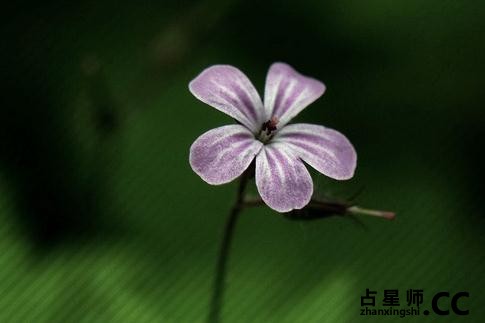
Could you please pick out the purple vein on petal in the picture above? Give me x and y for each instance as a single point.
(312, 143)
(280, 95)
(227, 89)
(222, 154)
(282, 179)
(228, 153)
(327, 150)
(314, 151)
(274, 165)
(293, 94)
(306, 135)
(231, 138)
(287, 92)
(237, 97)
(246, 102)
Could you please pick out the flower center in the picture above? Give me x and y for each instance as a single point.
(268, 130)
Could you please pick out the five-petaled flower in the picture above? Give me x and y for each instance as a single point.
(222, 154)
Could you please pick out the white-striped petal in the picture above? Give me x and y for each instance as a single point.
(282, 179)
(326, 150)
(287, 92)
(227, 89)
(222, 154)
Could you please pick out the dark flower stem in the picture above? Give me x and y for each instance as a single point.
(221, 268)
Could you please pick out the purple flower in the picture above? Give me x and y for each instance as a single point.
(222, 154)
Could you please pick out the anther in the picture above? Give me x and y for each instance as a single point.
(270, 125)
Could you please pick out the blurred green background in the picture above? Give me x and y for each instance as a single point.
(103, 220)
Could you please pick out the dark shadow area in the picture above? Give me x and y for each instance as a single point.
(271, 31)
(473, 156)
(59, 192)
(40, 168)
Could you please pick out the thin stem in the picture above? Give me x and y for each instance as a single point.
(377, 213)
(221, 268)
(317, 209)
(252, 202)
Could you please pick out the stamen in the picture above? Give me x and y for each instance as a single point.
(267, 129)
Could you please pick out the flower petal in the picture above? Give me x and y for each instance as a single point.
(282, 179)
(222, 154)
(227, 89)
(326, 150)
(287, 92)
